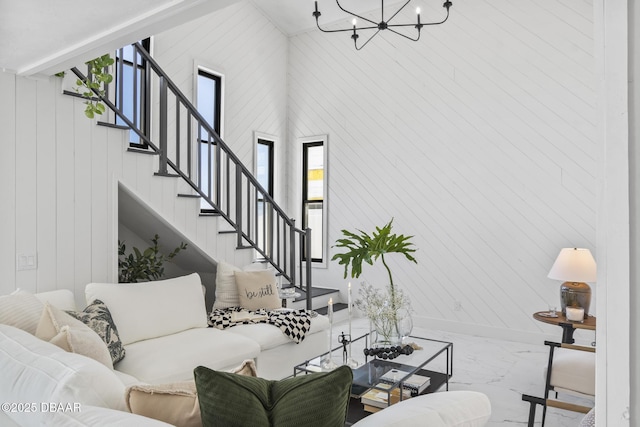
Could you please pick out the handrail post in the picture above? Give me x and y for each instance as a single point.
(292, 250)
(307, 240)
(163, 126)
(239, 205)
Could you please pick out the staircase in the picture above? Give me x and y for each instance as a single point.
(189, 149)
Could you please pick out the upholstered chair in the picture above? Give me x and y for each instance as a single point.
(570, 370)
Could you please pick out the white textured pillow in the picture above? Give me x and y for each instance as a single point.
(152, 309)
(72, 335)
(226, 290)
(41, 372)
(257, 289)
(60, 298)
(21, 309)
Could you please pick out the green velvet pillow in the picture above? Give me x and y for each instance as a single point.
(318, 399)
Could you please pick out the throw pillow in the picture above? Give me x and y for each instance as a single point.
(319, 399)
(70, 334)
(176, 403)
(98, 318)
(226, 290)
(21, 309)
(257, 289)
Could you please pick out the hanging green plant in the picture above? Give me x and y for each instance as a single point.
(98, 77)
(143, 266)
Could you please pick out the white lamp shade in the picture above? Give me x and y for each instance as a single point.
(574, 265)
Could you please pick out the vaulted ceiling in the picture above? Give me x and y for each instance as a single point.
(44, 37)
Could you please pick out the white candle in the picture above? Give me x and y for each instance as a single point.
(349, 298)
(575, 314)
(330, 310)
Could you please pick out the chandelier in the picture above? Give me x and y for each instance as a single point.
(384, 24)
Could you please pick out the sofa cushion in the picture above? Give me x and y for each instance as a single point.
(72, 335)
(21, 309)
(174, 403)
(171, 358)
(318, 399)
(60, 298)
(152, 309)
(226, 290)
(41, 372)
(97, 316)
(92, 416)
(441, 409)
(574, 371)
(257, 289)
(270, 336)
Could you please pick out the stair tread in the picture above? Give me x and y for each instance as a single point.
(113, 125)
(336, 307)
(315, 292)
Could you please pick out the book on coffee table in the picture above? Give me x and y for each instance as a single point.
(415, 383)
(379, 398)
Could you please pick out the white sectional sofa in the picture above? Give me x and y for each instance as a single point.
(163, 326)
(168, 320)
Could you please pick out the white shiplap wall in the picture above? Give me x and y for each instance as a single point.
(59, 171)
(251, 53)
(479, 139)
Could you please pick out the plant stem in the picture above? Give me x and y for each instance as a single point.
(391, 287)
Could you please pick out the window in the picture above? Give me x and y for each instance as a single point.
(264, 164)
(314, 188)
(209, 99)
(209, 105)
(131, 94)
(263, 170)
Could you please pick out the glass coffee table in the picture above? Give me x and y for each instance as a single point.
(431, 358)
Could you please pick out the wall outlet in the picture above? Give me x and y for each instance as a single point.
(457, 306)
(27, 261)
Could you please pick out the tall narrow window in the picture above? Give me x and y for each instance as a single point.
(209, 105)
(131, 93)
(264, 174)
(313, 196)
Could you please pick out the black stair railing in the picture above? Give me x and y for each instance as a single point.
(189, 148)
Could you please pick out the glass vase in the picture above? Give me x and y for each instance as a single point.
(390, 329)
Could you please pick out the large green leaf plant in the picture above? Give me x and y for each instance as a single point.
(362, 247)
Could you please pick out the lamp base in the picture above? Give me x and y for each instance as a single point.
(575, 294)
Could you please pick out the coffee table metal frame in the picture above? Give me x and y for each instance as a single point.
(367, 375)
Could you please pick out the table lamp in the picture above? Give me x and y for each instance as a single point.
(574, 266)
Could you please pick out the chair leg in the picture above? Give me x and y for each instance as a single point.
(547, 385)
(532, 414)
(533, 401)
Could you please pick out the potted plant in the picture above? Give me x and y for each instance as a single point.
(386, 311)
(143, 266)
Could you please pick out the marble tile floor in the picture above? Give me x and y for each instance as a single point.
(503, 370)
